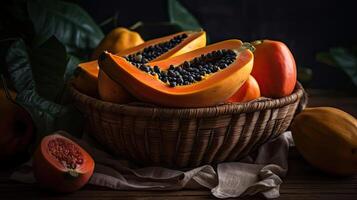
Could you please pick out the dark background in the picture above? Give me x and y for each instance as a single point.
(306, 26)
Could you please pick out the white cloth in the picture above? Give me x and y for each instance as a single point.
(258, 173)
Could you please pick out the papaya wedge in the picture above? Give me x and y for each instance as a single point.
(203, 77)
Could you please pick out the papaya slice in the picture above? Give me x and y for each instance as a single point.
(203, 77)
(150, 51)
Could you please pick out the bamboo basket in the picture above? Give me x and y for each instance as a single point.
(187, 137)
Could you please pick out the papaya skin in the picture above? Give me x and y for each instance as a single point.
(274, 68)
(248, 92)
(211, 91)
(327, 138)
(118, 40)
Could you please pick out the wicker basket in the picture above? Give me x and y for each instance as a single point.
(187, 137)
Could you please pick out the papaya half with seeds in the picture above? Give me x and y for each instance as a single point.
(150, 51)
(62, 165)
(327, 138)
(203, 77)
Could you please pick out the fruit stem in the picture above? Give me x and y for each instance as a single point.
(247, 45)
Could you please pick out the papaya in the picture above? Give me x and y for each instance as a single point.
(118, 40)
(327, 138)
(86, 78)
(203, 77)
(61, 165)
(17, 129)
(249, 91)
(111, 91)
(150, 51)
(274, 68)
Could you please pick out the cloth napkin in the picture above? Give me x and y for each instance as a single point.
(260, 172)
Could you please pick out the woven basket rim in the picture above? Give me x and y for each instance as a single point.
(150, 110)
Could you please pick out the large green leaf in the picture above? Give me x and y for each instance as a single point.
(180, 15)
(68, 22)
(48, 63)
(47, 115)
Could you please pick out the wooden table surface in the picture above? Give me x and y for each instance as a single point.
(302, 181)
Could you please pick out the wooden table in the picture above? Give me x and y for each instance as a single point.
(302, 182)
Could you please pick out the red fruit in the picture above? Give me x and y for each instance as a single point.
(274, 68)
(62, 165)
(16, 127)
(249, 91)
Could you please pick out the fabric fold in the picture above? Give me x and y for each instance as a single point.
(261, 172)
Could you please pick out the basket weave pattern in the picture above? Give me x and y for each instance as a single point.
(187, 137)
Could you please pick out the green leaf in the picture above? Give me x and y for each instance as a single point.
(68, 22)
(48, 63)
(47, 115)
(346, 61)
(180, 15)
(19, 68)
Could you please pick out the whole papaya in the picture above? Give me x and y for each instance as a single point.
(274, 68)
(327, 138)
(117, 40)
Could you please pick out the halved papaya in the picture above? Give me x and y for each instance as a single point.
(155, 50)
(61, 165)
(203, 77)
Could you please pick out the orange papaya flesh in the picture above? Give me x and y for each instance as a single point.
(86, 80)
(234, 64)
